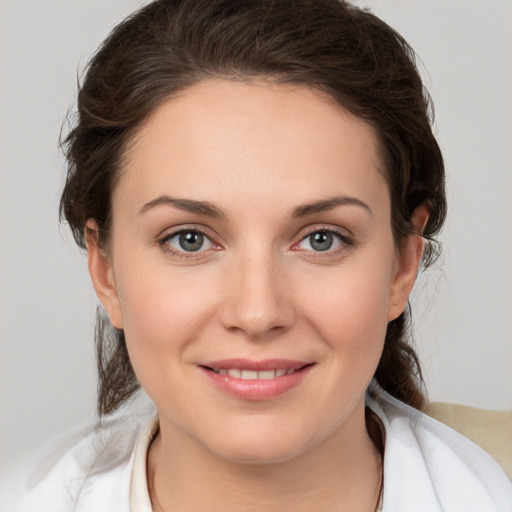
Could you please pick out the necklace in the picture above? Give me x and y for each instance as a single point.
(375, 504)
(377, 497)
(376, 433)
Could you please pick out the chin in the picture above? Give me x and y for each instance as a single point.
(255, 446)
(258, 454)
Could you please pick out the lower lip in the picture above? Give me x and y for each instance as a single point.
(257, 389)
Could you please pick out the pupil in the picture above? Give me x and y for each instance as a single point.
(191, 241)
(321, 241)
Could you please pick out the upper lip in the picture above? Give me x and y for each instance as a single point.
(261, 365)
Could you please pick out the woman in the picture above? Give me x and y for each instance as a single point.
(256, 184)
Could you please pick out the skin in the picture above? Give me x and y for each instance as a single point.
(257, 289)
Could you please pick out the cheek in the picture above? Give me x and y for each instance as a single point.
(163, 311)
(348, 307)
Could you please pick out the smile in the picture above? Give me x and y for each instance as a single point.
(256, 380)
(252, 374)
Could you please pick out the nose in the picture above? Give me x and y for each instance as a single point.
(257, 299)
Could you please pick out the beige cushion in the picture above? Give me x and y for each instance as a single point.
(491, 430)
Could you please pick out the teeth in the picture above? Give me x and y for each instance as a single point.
(267, 374)
(252, 374)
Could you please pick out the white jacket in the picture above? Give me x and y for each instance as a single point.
(427, 468)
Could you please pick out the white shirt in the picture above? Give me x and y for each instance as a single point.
(427, 468)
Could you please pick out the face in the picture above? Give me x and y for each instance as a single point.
(252, 267)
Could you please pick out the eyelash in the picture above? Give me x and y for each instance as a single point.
(345, 241)
(164, 245)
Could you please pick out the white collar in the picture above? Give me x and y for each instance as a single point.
(139, 495)
(427, 466)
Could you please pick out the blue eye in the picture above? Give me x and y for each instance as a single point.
(322, 240)
(189, 241)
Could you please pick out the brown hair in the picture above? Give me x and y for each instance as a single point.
(327, 45)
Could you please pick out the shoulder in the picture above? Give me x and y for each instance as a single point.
(86, 470)
(430, 467)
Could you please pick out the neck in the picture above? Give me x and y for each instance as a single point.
(341, 473)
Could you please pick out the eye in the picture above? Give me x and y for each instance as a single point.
(323, 240)
(188, 241)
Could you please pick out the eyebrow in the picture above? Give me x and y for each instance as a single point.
(189, 205)
(210, 210)
(328, 204)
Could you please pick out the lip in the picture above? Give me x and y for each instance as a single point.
(256, 389)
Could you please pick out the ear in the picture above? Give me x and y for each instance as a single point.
(407, 263)
(102, 274)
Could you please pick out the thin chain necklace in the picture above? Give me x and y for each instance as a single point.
(376, 432)
(378, 489)
(377, 495)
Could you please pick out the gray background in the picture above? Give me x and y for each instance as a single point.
(463, 307)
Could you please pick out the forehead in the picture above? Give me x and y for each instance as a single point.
(247, 138)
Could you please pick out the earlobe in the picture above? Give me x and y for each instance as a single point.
(102, 275)
(408, 261)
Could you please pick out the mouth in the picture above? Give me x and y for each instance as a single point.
(256, 380)
(238, 373)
